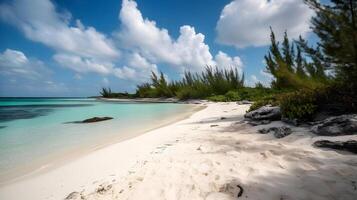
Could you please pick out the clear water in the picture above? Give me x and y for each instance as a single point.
(35, 129)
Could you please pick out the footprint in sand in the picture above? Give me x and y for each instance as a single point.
(217, 177)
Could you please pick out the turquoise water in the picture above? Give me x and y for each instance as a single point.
(33, 130)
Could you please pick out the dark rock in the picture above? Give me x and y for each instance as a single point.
(294, 122)
(222, 118)
(244, 102)
(73, 196)
(264, 130)
(265, 113)
(334, 126)
(279, 132)
(213, 125)
(96, 119)
(92, 120)
(257, 123)
(103, 188)
(350, 145)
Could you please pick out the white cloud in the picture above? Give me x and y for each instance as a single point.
(24, 76)
(246, 22)
(267, 78)
(82, 64)
(125, 73)
(140, 43)
(187, 52)
(139, 69)
(254, 79)
(40, 22)
(15, 63)
(225, 61)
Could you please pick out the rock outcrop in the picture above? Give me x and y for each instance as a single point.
(350, 145)
(334, 126)
(92, 120)
(257, 123)
(244, 102)
(279, 132)
(96, 119)
(265, 113)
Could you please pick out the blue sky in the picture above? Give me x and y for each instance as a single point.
(75, 47)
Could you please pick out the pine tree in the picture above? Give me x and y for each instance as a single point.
(299, 63)
(335, 25)
(288, 52)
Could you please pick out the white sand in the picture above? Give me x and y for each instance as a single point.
(192, 159)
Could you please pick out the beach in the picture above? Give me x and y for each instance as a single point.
(212, 154)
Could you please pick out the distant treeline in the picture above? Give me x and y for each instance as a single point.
(307, 79)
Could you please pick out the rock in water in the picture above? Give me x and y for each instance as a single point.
(96, 119)
(350, 145)
(279, 132)
(265, 113)
(334, 126)
(91, 120)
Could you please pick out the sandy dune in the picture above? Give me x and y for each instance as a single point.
(203, 157)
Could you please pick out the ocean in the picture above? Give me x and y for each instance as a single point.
(35, 131)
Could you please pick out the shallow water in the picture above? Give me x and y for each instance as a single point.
(35, 129)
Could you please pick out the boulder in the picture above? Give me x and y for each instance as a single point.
(96, 119)
(338, 125)
(91, 120)
(244, 102)
(279, 132)
(265, 113)
(257, 123)
(294, 122)
(350, 145)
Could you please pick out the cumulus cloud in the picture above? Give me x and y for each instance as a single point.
(223, 60)
(83, 64)
(245, 23)
(139, 68)
(139, 34)
(24, 76)
(40, 22)
(135, 50)
(16, 63)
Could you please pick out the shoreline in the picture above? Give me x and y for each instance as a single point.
(62, 158)
(203, 157)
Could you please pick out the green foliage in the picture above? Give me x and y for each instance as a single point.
(335, 24)
(267, 100)
(247, 93)
(291, 70)
(218, 98)
(107, 93)
(301, 104)
(145, 90)
(212, 81)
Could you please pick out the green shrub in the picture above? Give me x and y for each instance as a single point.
(232, 96)
(301, 104)
(270, 99)
(218, 98)
(199, 92)
(211, 81)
